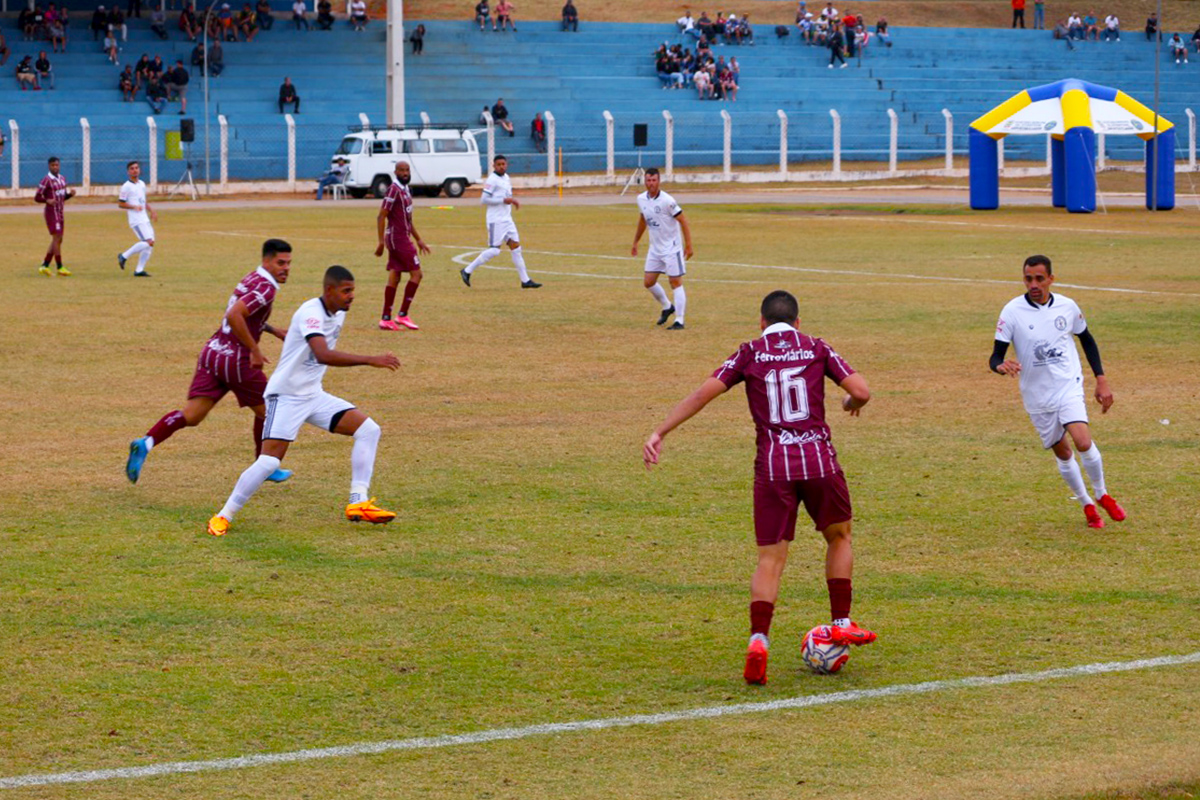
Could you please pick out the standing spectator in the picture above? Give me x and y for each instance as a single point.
(483, 14)
(116, 22)
(418, 40)
(1152, 27)
(849, 23)
(46, 72)
(300, 14)
(4, 51)
(27, 75)
(158, 22)
(537, 131)
(325, 15)
(836, 48)
(881, 30)
(504, 12)
(110, 46)
(188, 23)
(156, 94)
(1018, 8)
(247, 22)
(216, 58)
(127, 84)
(500, 117)
(263, 13)
(1178, 50)
(735, 70)
(1039, 15)
(177, 83)
(1112, 28)
(570, 17)
(358, 14)
(287, 94)
(135, 8)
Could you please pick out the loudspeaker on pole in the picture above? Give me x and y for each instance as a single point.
(187, 130)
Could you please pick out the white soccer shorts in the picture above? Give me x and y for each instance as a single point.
(287, 412)
(144, 231)
(670, 263)
(501, 232)
(1051, 425)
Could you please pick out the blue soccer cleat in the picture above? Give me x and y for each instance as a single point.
(137, 457)
(280, 475)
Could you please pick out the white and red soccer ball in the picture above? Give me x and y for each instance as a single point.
(821, 654)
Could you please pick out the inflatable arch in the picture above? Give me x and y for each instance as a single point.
(1072, 112)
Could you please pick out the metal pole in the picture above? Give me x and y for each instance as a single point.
(395, 65)
(1153, 165)
(204, 41)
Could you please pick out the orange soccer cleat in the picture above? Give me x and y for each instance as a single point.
(851, 634)
(1094, 520)
(1112, 508)
(218, 526)
(756, 662)
(367, 511)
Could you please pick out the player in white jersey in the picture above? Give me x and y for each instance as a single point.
(1040, 325)
(498, 197)
(294, 396)
(668, 253)
(133, 199)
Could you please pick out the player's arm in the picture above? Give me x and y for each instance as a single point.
(687, 234)
(491, 197)
(39, 196)
(637, 237)
(236, 317)
(424, 248)
(689, 407)
(336, 358)
(998, 364)
(278, 334)
(858, 394)
(381, 226)
(1091, 351)
(122, 202)
(153, 214)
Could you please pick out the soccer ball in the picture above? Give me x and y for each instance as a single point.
(820, 653)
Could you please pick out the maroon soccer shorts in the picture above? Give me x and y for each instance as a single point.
(54, 222)
(403, 260)
(776, 503)
(246, 383)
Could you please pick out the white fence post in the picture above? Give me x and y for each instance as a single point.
(425, 123)
(783, 148)
(1191, 138)
(1000, 157)
(893, 140)
(14, 142)
(491, 141)
(364, 120)
(669, 157)
(610, 166)
(152, 126)
(291, 137)
(223, 122)
(837, 141)
(949, 138)
(85, 179)
(1100, 159)
(551, 126)
(727, 162)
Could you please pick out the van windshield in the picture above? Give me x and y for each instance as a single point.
(350, 146)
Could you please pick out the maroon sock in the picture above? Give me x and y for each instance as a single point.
(840, 594)
(760, 617)
(389, 298)
(258, 428)
(49, 255)
(58, 261)
(166, 426)
(410, 289)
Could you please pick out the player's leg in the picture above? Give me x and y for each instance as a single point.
(518, 259)
(410, 291)
(775, 508)
(389, 297)
(366, 433)
(1093, 464)
(493, 250)
(192, 414)
(1073, 476)
(144, 256)
(45, 267)
(56, 244)
(654, 267)
(827, 501)
(679, 296)
(285, 415)
(143, 245)
(248, 387)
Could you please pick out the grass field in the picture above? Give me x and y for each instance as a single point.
(538, 574)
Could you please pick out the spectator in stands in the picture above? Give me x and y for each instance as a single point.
(483, 15)
(717, 28)
(135, 8)
(300, 14)
(537, 132)
(1061, 32)
(1018, 9)
(226, 28)
(127, 85)
(358, 14)
(1091, 27)
(176, 82)
(198, 59)
(704, 26)
(1039, 15)
(570, 17)
(140, 70)
(4, 51)
(837, 47)
(500, 117)
(1195, 41)
(158, 22)
(116, 23)
(188, 23)
(805, 26)
(881, 30)
(110, 46)
(287, 94)
(735, 70)
(1112, 28)
(27, 75)
(58, 35)
(745, 33)
(263, 15)
(821, 31)
(702, 83)
(483, 115)
(830, 13)
(1152, 27)
(247, 22)
(30, 21)
(686, 23)
(731, 29)
(46, 72)
(418, 40)
(703, 50)
(1075, 26)
(729, 87)
(325, 15)
(1178, 49)
(216, 58)
(156, 95)
(504, 12)
(335, 174)
(156, 69)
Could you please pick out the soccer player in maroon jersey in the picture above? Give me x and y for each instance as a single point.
(396, 232)
(784, 372)
(230, 361)
(53, 192)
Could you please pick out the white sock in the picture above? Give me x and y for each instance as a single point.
(762, 637)
(143, 258)
(1095, 469)
(248, 484)
(844, 622)
(133, 251)
(362, 459)
(149, 443)
(483, 258)
(660, 295)
(519, 260)
(1070, 472)
(680, 303)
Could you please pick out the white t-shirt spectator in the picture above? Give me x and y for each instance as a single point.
(1111, 22)
(1074, 21)
(299, 8)
(358, 8)
(686, 23)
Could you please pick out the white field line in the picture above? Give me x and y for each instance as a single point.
(550, 729)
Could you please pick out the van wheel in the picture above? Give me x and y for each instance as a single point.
(357, 194)
(380, 186)
(455, 187)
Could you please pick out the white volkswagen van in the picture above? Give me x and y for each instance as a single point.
(441, 159)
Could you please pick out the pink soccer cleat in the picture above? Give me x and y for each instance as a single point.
(1093, 517)
(408, 323)
(1112, 508)
(851, 634)
(756, 662)
(388, 325)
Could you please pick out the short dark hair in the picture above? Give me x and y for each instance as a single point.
(52, 159)
(499, 157)
(337, 274)
(780, 306)
(1034, 261)
(274, 246)
(652, 170)
(131, 163)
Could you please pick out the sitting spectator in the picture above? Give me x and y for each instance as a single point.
(158, 22)
(483, 13)
(821, 31)
(484, 115)
(27, 75)
(188, 23)
(198, 59)
(110, 46)
(156, 95)
(687, 24)
(702, 83)
(57, 35)
(176, 83)
(325, 15)
(4, 51)
(735, 70)
(1075, 26)
(300, 15)
(504, 12)
(247, 22)
(216, 58)
(1195, 41)
(1061, 32)
(570, 17)
(334, 175)
(668, 70)
(287, 94)
(500, 117)
(46, 72)
(1091, 27)
(358, 14)
(418, 40)
(537, 131)
(703, 26)
(156, 69)
(1152, 27)
(1112, 28)
(745, 32)
(116, 23)
(127, 84)
(141, 68)
(30, 22)
(729, 87)
(703, 49)
(805, 26)
(830, 12)
(862, 38)
(731, 29)
(227, 29)
(262, 13)
(1178, 49)
(716, 28)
